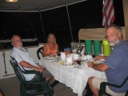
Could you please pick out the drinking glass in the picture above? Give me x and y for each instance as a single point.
(58, 53)
(79, 61)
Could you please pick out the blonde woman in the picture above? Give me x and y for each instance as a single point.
(51, 47)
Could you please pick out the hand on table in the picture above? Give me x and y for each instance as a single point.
(98, 58)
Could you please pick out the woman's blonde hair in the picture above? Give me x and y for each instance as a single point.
(53, 36)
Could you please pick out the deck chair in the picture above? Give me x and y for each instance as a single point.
(39, 52)
(102, 91)
(31, 88)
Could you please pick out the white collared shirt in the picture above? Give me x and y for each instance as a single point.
(23, 55)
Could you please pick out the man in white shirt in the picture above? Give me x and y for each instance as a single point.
(24, 60)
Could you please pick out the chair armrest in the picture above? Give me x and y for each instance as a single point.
(39, 75)
(29, 71)
(102, 90)
(114, 85)
(104, 84)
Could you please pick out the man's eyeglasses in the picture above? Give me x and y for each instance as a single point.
(109, 36)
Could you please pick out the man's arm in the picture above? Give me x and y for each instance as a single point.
(28, 65)
(100, 67)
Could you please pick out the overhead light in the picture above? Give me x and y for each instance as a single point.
(11, 1)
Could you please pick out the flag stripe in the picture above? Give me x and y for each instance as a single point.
(108, 13)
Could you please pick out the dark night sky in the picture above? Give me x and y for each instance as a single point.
(83, 15)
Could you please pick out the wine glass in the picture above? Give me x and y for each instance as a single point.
(93, 55)
(58, 53)
(79, 62)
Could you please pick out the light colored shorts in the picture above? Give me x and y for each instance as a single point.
(46, 73)
(96, 84)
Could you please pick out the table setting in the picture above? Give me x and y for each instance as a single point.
(71, 69)
(74, 57)
(72, 60)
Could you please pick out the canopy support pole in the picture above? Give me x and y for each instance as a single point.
(69, 21)
(42, 26)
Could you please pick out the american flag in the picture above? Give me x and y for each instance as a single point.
(108, 15)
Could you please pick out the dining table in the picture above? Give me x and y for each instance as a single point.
(74, 76)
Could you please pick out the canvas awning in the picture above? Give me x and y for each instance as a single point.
(92, 34)
(97, 33)
(34, 5)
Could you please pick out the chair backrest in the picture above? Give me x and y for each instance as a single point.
(32, 87)
(18, 71)
(39, 52)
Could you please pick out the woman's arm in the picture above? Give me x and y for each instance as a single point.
(57, 48)
(44, 50)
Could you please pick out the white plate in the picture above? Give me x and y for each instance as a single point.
(99, 61)
(86, 57)
(68, 63)
(50, 58)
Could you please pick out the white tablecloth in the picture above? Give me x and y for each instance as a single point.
(74, 77)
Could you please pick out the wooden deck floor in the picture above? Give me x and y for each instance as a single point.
(11, 87)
